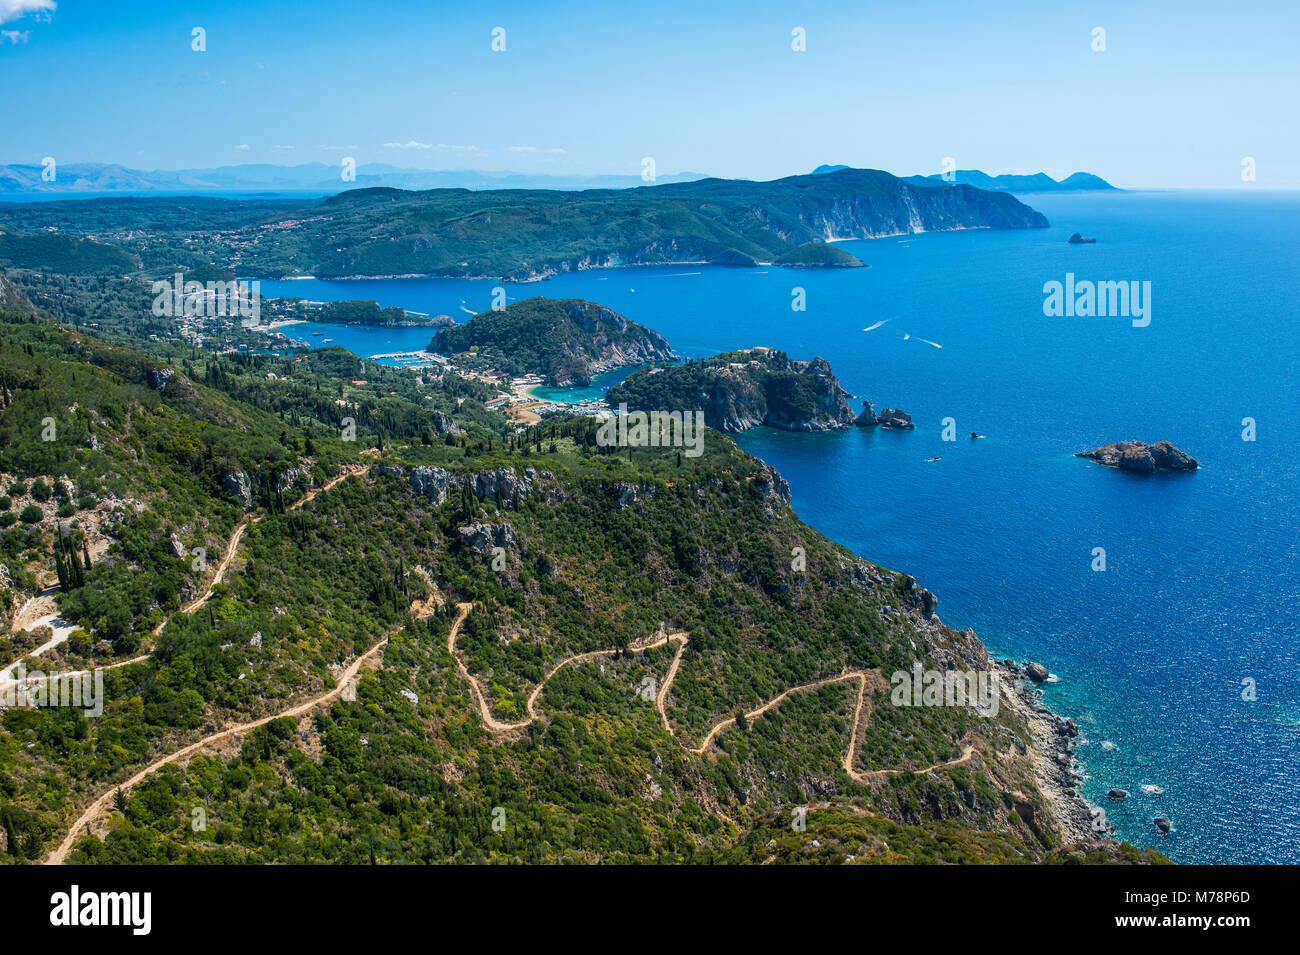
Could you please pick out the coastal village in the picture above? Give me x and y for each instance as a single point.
(514, 395)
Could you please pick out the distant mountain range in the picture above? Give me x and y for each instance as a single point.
(318, 178)
(1038, 182)
(512, 233)
(313, 178)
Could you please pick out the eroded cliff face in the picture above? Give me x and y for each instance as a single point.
(510, 487)
(733, 402)
(617, 342)
(787, 409)
(909, 209)
(735, 396)
(12, 297)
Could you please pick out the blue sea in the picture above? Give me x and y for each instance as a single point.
(1200, 597)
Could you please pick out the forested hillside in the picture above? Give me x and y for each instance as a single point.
(567, 341)
(587, 658)
(526, 233)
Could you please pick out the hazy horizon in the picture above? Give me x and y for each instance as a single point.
(663, 178)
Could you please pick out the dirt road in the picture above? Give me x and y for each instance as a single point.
(97, 808)
(866, 679)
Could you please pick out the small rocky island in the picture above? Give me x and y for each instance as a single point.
(1141, 458)
(890, 418)
(1077, 239)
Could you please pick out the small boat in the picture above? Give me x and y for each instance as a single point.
(317, 334)
(928, 460)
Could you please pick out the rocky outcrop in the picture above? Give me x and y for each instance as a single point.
(236, 483)
(482, 538)
(920, 599)
(733, 402)
(1036, 671)
(293, 477)
(775, 491)
(442, 425)
(1117, 794)
(1162, 823)
(789, 410)
(896, 418)
(1141, 458)
(158, 377)
(1077, 239)
(504, 484)
(246, 487)
(867, 416)
(433, 483)
(12, 297)
(171, 383)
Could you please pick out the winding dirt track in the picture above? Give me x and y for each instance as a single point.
(865, 679)
(96, 808)
(232, 547)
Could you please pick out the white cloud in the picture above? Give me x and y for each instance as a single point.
(531, 149)
(280, 149)
(242, 146)
(14, 36)
(441, 147)
(13, 9)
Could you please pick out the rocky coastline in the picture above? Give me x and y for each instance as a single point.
(1051, 742)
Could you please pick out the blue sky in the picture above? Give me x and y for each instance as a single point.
(1182, 92)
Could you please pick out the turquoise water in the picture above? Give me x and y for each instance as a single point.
(599, 385)
(360, 339)
(1201, 589)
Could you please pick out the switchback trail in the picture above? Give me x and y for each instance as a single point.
(866, 679)
(98, 807)
(232, 547)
